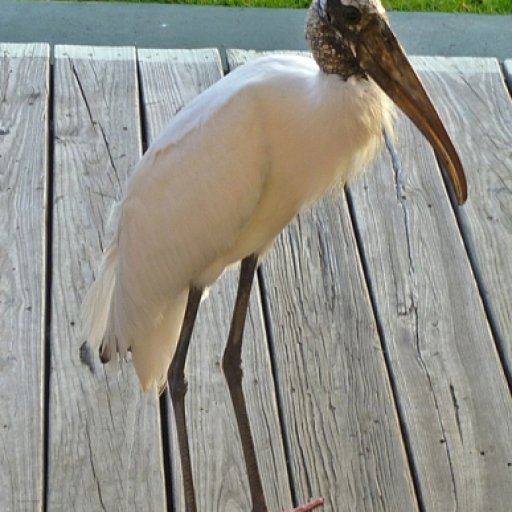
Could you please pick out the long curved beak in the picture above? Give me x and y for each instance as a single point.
(381, 56)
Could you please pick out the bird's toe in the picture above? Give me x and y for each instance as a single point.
(309, 506)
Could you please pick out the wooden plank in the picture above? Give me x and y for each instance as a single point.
(484, 108)
(237, 57)
(169, 80)
(343, 430)
(104, 445)
(453, 395)
(24, 88)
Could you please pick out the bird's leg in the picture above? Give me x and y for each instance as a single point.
(178, 389)
(232, 366)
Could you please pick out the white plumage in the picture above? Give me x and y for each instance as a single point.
(219, 183)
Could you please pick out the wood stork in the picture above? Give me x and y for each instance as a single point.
(228, 174)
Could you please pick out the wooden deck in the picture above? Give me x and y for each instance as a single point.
(378, 355)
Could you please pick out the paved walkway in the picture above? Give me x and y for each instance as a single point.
(179, 26)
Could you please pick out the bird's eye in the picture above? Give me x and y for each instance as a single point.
(351, 14)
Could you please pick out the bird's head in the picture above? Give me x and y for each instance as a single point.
(352, 38)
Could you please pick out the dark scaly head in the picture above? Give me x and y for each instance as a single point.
(352, 38)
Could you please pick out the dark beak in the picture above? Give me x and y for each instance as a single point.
(381, 56)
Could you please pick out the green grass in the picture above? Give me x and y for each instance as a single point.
(473, 6)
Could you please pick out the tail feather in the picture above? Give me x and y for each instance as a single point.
(97, 303)
(112, 329)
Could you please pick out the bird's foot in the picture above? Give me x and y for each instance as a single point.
(309, 506)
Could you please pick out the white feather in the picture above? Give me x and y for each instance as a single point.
(97, 302)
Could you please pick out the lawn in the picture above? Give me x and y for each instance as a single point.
(474, 6)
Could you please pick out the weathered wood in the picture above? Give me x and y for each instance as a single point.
(237, 57)
(478, 109)
(343, 431)
(24, 88)
(104, 444)
(453, 395)
(169, 80)
(104, 435)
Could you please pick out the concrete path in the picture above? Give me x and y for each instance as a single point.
(179, 26)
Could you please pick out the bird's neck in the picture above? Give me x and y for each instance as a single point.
(331, 53)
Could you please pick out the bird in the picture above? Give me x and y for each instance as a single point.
(227, 174)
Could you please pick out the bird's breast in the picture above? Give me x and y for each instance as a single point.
(309, 139)
(321, 132)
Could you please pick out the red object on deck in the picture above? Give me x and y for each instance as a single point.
(309, 506)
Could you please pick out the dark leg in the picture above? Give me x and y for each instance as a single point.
(178, 389)
(231, 364)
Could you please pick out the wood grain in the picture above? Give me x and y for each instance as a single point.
(453, 395)
(236, 57)
(24, 89)
(478, 110)
(342, 425)
(169, 80)
(343, 431)
(104, 443)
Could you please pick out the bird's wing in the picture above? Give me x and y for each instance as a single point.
(184, 209)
